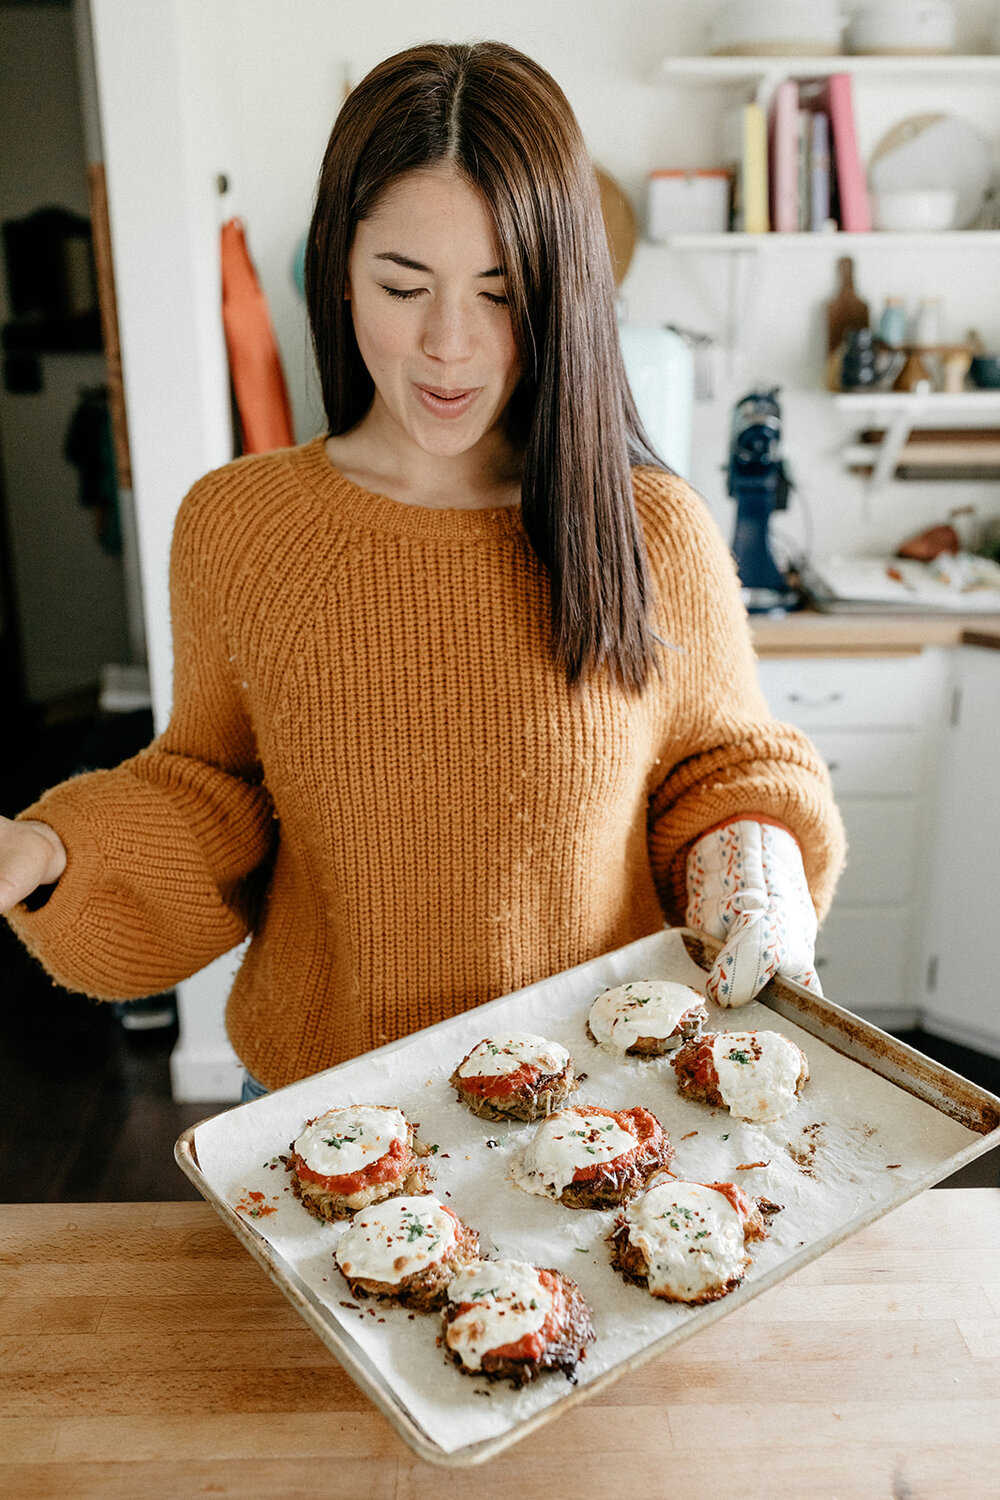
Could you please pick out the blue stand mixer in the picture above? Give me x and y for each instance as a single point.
(759, 485)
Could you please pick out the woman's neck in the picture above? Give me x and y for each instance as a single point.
(484, 478)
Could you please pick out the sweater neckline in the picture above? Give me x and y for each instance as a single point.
(382, 513)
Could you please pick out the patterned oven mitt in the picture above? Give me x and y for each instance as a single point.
(747, 888)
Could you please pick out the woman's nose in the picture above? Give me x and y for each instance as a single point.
(448, 332)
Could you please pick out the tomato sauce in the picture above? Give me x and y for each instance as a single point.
(703, 1073)
(532, 1345)
(639, 1123)
(490, 1085)
(386, 1169)
(737, 1197)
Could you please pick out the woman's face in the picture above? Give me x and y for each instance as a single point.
(430, 313)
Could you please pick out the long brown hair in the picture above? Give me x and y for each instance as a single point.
(506, 124)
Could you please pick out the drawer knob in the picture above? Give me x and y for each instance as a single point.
(808, 702)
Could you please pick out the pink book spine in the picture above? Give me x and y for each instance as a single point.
(855, 214)
(785, 158)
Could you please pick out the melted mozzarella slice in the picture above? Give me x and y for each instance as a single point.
(508, 1302)
(758, 1071)
(397, 1239)
(648, 1007)
(496, 1056)
(347, 1140)
(562, 1144)
(691, 1236)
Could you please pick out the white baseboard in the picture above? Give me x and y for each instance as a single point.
(216, 1077)
(965, 1036)
(891, 1018)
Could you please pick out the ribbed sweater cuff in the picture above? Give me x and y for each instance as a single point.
(55, 922)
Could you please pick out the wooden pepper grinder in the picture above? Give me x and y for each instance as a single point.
(843, 314)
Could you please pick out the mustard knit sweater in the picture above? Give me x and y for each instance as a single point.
(375, 766)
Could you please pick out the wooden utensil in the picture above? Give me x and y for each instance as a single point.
(619, 224)
(846, 311)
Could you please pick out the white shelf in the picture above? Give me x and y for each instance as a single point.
(697, 71)
(901, 411)
(876, 239)
(967, 403)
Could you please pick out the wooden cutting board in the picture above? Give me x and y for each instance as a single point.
(144, 1354)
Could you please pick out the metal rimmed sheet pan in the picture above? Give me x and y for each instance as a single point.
(877, 1123)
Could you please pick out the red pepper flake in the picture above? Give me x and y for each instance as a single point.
(370, 1311)
(689, 1135)
(890, 1166)
(411, 1316)
(352, 1306)
(254, 1206)
(748, 1166)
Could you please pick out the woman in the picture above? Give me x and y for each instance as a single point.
(463, 694)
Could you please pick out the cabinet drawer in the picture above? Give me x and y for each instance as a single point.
(878, 762)
(846, 692)
(862, 960)
(882, 851)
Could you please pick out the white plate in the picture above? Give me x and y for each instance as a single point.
(935, 151)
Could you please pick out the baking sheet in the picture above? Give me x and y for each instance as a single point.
(855, 1146)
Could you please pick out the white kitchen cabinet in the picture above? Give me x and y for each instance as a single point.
(962, 978)
(877, 723)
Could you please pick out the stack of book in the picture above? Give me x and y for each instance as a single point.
(796, 168)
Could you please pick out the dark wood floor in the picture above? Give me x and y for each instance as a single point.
(86, 1109)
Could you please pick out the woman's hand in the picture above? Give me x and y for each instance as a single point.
(31, 854)
(747, 888)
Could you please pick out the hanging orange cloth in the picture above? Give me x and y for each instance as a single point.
(254, 362)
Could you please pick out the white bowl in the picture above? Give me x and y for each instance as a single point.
(903, 27)
(781, 27)
(915, 209)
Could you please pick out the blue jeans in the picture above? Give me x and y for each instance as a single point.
(252, 1089)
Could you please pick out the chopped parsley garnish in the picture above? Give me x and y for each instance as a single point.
(485, 1291)
(738, 1055)
(336, 1141)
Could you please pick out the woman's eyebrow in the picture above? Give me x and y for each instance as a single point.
(416, 265)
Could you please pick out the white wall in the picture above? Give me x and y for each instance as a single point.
(249, 89)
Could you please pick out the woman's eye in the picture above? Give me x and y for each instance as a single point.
(401, 294)
(497, 301)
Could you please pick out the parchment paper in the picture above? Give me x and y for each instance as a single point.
(854, 1141)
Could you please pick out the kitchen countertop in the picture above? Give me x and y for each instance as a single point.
(808, 632)
(143, 1353)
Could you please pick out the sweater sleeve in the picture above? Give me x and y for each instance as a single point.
(722, 754)
(166, 853)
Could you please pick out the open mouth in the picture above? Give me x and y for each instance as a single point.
(445, 402)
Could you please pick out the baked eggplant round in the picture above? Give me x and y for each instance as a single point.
(405, 1251)
(686, 1241)
(348, 1159)
(756, 1075)
(509, 1320)
(516, 1075)
(646, 1018)
(587, 1157)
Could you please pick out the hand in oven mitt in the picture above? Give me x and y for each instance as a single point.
(747, 888)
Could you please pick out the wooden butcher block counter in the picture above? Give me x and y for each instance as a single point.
(144, 1354)
(808, 632)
